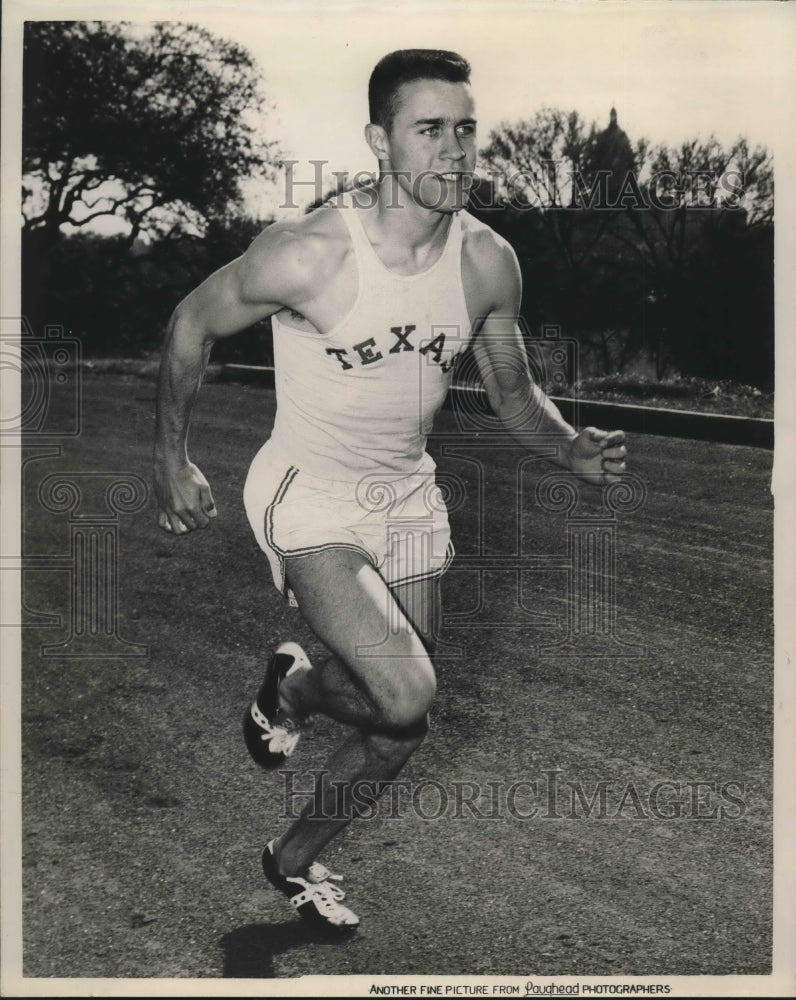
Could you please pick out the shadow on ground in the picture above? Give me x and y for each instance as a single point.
(249, 951)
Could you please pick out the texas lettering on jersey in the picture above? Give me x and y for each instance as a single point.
(367, 352)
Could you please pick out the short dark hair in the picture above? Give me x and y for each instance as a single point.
(407, 66)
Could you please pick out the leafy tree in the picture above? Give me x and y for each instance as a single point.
(635, 249)
(547, 171)
(702, 204)
(118, 300)
(153, 126)
(534, 159)
(696, 181)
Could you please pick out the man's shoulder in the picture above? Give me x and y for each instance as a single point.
(304, 252)
(311, 237)
(489, 261)
(485, 246)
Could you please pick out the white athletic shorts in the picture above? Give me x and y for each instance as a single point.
(398, 521)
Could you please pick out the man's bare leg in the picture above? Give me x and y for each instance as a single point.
(421, 603)
(379, 680)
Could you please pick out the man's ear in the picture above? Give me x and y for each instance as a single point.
(378, 140)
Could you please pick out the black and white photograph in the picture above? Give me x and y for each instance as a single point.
(397, 461)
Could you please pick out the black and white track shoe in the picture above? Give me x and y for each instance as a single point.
(270, 736)
(316, 898)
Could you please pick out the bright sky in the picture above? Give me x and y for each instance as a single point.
(673, 70)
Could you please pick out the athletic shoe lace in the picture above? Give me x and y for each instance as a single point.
(280, 740)
(319, 873)
(323, 893)
(326, 898)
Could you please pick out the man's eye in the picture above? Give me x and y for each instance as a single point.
(466, 130)
(433, 130)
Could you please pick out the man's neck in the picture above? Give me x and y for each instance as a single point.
(403, 222)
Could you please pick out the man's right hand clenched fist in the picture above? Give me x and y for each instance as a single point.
(184, 498)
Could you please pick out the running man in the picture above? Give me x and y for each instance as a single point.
(372, 301)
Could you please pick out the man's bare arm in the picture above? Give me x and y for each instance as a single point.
(274, 272)
(524, 409)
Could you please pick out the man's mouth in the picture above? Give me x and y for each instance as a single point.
(454, 175)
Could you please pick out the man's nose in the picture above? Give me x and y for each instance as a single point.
(453, 149)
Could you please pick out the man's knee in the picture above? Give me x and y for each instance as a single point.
(405, 706)
(397, 745)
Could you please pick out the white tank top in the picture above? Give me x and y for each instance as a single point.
(363, 396)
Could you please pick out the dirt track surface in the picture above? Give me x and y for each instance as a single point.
(144, 819)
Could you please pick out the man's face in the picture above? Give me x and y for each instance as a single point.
(432, 144)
